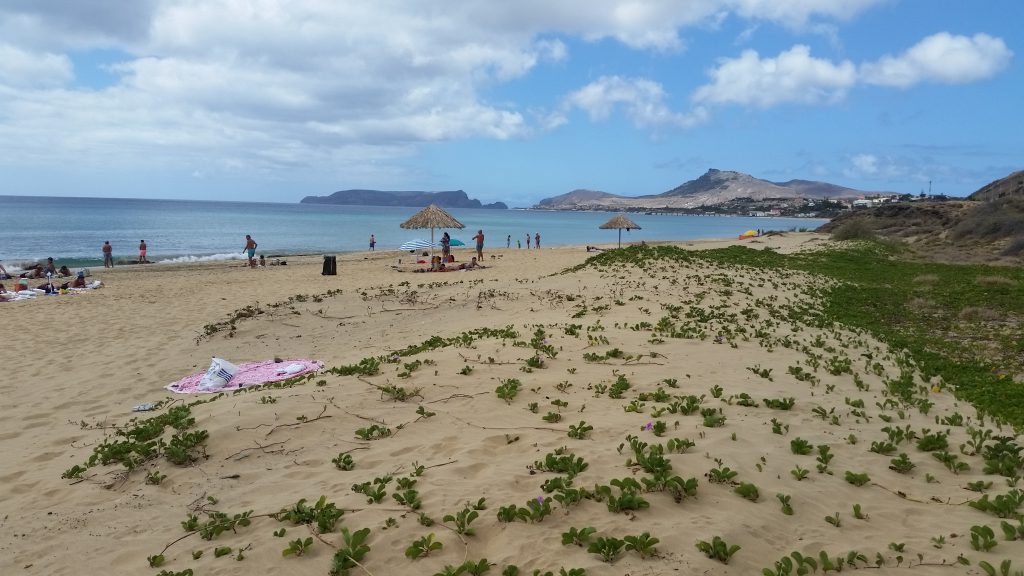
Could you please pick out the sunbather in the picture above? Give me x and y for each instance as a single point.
(79, 281)
(471, 264)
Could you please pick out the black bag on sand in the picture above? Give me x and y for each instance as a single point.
(330, 266)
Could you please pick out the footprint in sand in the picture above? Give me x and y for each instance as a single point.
(45, 456)
(8, 478)
(402, 451)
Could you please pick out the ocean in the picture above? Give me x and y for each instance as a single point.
(72, 230)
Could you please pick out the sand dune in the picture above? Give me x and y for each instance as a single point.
(77, 365)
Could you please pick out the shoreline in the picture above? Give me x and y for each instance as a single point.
(220, 258)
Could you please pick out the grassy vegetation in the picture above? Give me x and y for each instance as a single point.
(931, 310)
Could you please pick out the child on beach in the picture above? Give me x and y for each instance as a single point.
(142, 251)
(373, 242)
(527, 240)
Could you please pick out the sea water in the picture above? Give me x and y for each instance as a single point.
(73, 230)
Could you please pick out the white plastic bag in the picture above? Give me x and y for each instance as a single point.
(218, 375)
(293, 368)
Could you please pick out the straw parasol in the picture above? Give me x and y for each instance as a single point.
(431, 217)
(620, 222)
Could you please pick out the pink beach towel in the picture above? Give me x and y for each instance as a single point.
(249, 374)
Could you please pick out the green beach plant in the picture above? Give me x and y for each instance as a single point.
(351, 552)
(644, 544)
(748, 491)
(787, 507)
(423, 546)
(718, 549)
(607, 547)
(578, 537)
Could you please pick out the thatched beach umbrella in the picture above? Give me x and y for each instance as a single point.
(620, 222)
(431, 217)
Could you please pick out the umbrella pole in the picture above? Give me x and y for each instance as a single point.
(620, 237)
(431, 246)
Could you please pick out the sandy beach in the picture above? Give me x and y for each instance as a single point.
(562, 346)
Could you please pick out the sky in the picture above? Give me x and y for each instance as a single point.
(274, 100)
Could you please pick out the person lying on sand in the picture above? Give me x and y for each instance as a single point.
(471, 264)
(441, 267)
(50, 287)
(594, 249)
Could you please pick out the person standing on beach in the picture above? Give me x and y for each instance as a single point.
(527, 240)
(373, 242)
(536, 240)
(142, 251)
(108, 255)
(250, 250)
(446, 247)
(479, 244)
(508, 241)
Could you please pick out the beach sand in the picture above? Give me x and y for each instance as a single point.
(76, 365)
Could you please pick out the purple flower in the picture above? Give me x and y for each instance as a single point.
(649, 426)
(540, 500)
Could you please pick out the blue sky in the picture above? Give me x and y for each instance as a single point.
(270, 100)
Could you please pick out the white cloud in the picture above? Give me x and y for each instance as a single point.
(794, 76)
(74, 24)
(865, 164)
(942, 58)
(642, 100)
(796, 13)
(884, 168)
(210, 85)
(20, 68)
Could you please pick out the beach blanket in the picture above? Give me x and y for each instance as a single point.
(32, 293)
(250, 374)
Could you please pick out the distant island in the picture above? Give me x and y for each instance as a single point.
(723, 192)
(415, 199)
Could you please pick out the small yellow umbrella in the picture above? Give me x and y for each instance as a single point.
(620, 222)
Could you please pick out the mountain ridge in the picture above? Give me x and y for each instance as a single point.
(712, 188)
